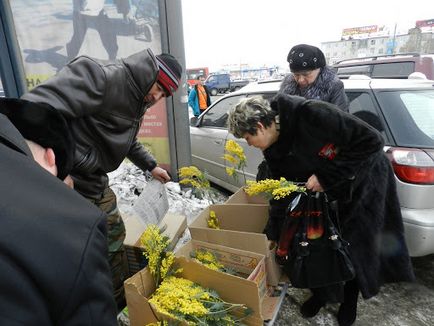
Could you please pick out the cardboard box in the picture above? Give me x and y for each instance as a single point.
(140, 287)
(240, 197)
(246, 264)
(173, 227)
(241, 227)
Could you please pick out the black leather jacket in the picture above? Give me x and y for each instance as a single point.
(103, 102)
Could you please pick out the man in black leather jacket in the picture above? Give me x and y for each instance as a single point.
(53, 247)
(104, 103)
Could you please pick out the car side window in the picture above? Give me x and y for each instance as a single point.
(265, 96)
(393, 70)
(217, 115)
(362, 106)
(420, 106)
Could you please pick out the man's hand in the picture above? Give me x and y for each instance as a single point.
(313, 184)
(160, 174)
(69, 182)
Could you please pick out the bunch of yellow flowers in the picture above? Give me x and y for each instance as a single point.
(180, 298)
(155, 247)
(191, 175)
(272, 188)
(185, 300)
(213, 221)
(234, 154)
(161, 323)
(208, 259)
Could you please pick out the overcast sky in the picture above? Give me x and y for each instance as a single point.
(261, 32)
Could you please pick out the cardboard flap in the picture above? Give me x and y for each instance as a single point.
(175, 225)
(241, 217)
(269, 306)
(240, 197)
(255, 242)
(247, 264)
(137, 289)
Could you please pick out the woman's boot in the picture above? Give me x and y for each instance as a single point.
(311, 307)
(348, 310)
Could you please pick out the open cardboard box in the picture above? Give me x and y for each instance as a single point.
(241, 227)
(240, 197)
(141, 286)
(175, 225)
(246, 264)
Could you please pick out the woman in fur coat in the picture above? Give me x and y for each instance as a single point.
(311, 78)
(314, 142)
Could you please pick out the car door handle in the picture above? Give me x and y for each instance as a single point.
(218, 142)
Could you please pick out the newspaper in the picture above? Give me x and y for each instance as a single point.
(152, 204)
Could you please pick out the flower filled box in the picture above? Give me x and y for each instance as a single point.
(140, 287)
(245, 264)
(241, 227)
(175, 225)
(241, 197)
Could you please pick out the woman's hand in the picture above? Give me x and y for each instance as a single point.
(160, 174)
(313, 184)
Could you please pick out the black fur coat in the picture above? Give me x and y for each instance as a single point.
(347, 157)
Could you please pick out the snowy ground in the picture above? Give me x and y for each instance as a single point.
(396, 305)
(128, 182)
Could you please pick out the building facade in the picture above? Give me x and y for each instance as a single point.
(414, 41)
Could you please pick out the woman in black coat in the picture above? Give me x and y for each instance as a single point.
(311, 78)
(315, 142)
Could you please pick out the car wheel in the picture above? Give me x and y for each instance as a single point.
(214, 92)
(236, 88)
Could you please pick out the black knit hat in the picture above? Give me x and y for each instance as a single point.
(169, 74)
(44, 125)
(305, 57)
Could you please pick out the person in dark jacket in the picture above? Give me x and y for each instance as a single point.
(53, 246)
(314, 142)
(104, 103)
(199, 98)
(311, 78)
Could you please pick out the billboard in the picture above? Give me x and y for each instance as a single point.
(425, 23)
(52, 32)
(359, 32)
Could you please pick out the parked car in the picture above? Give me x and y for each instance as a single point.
(222, 83)
(403, 111)
(387, 66)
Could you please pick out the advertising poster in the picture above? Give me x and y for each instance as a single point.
(52, 32)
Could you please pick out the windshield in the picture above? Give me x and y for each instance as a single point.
(410, 115)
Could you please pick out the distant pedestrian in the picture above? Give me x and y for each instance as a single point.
(199, 98)
(311, 78)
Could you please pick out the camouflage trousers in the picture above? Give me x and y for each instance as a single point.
(115, 236)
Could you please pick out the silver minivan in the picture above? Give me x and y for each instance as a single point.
(401, 109)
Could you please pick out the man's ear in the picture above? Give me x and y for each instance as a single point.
(50, 157)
